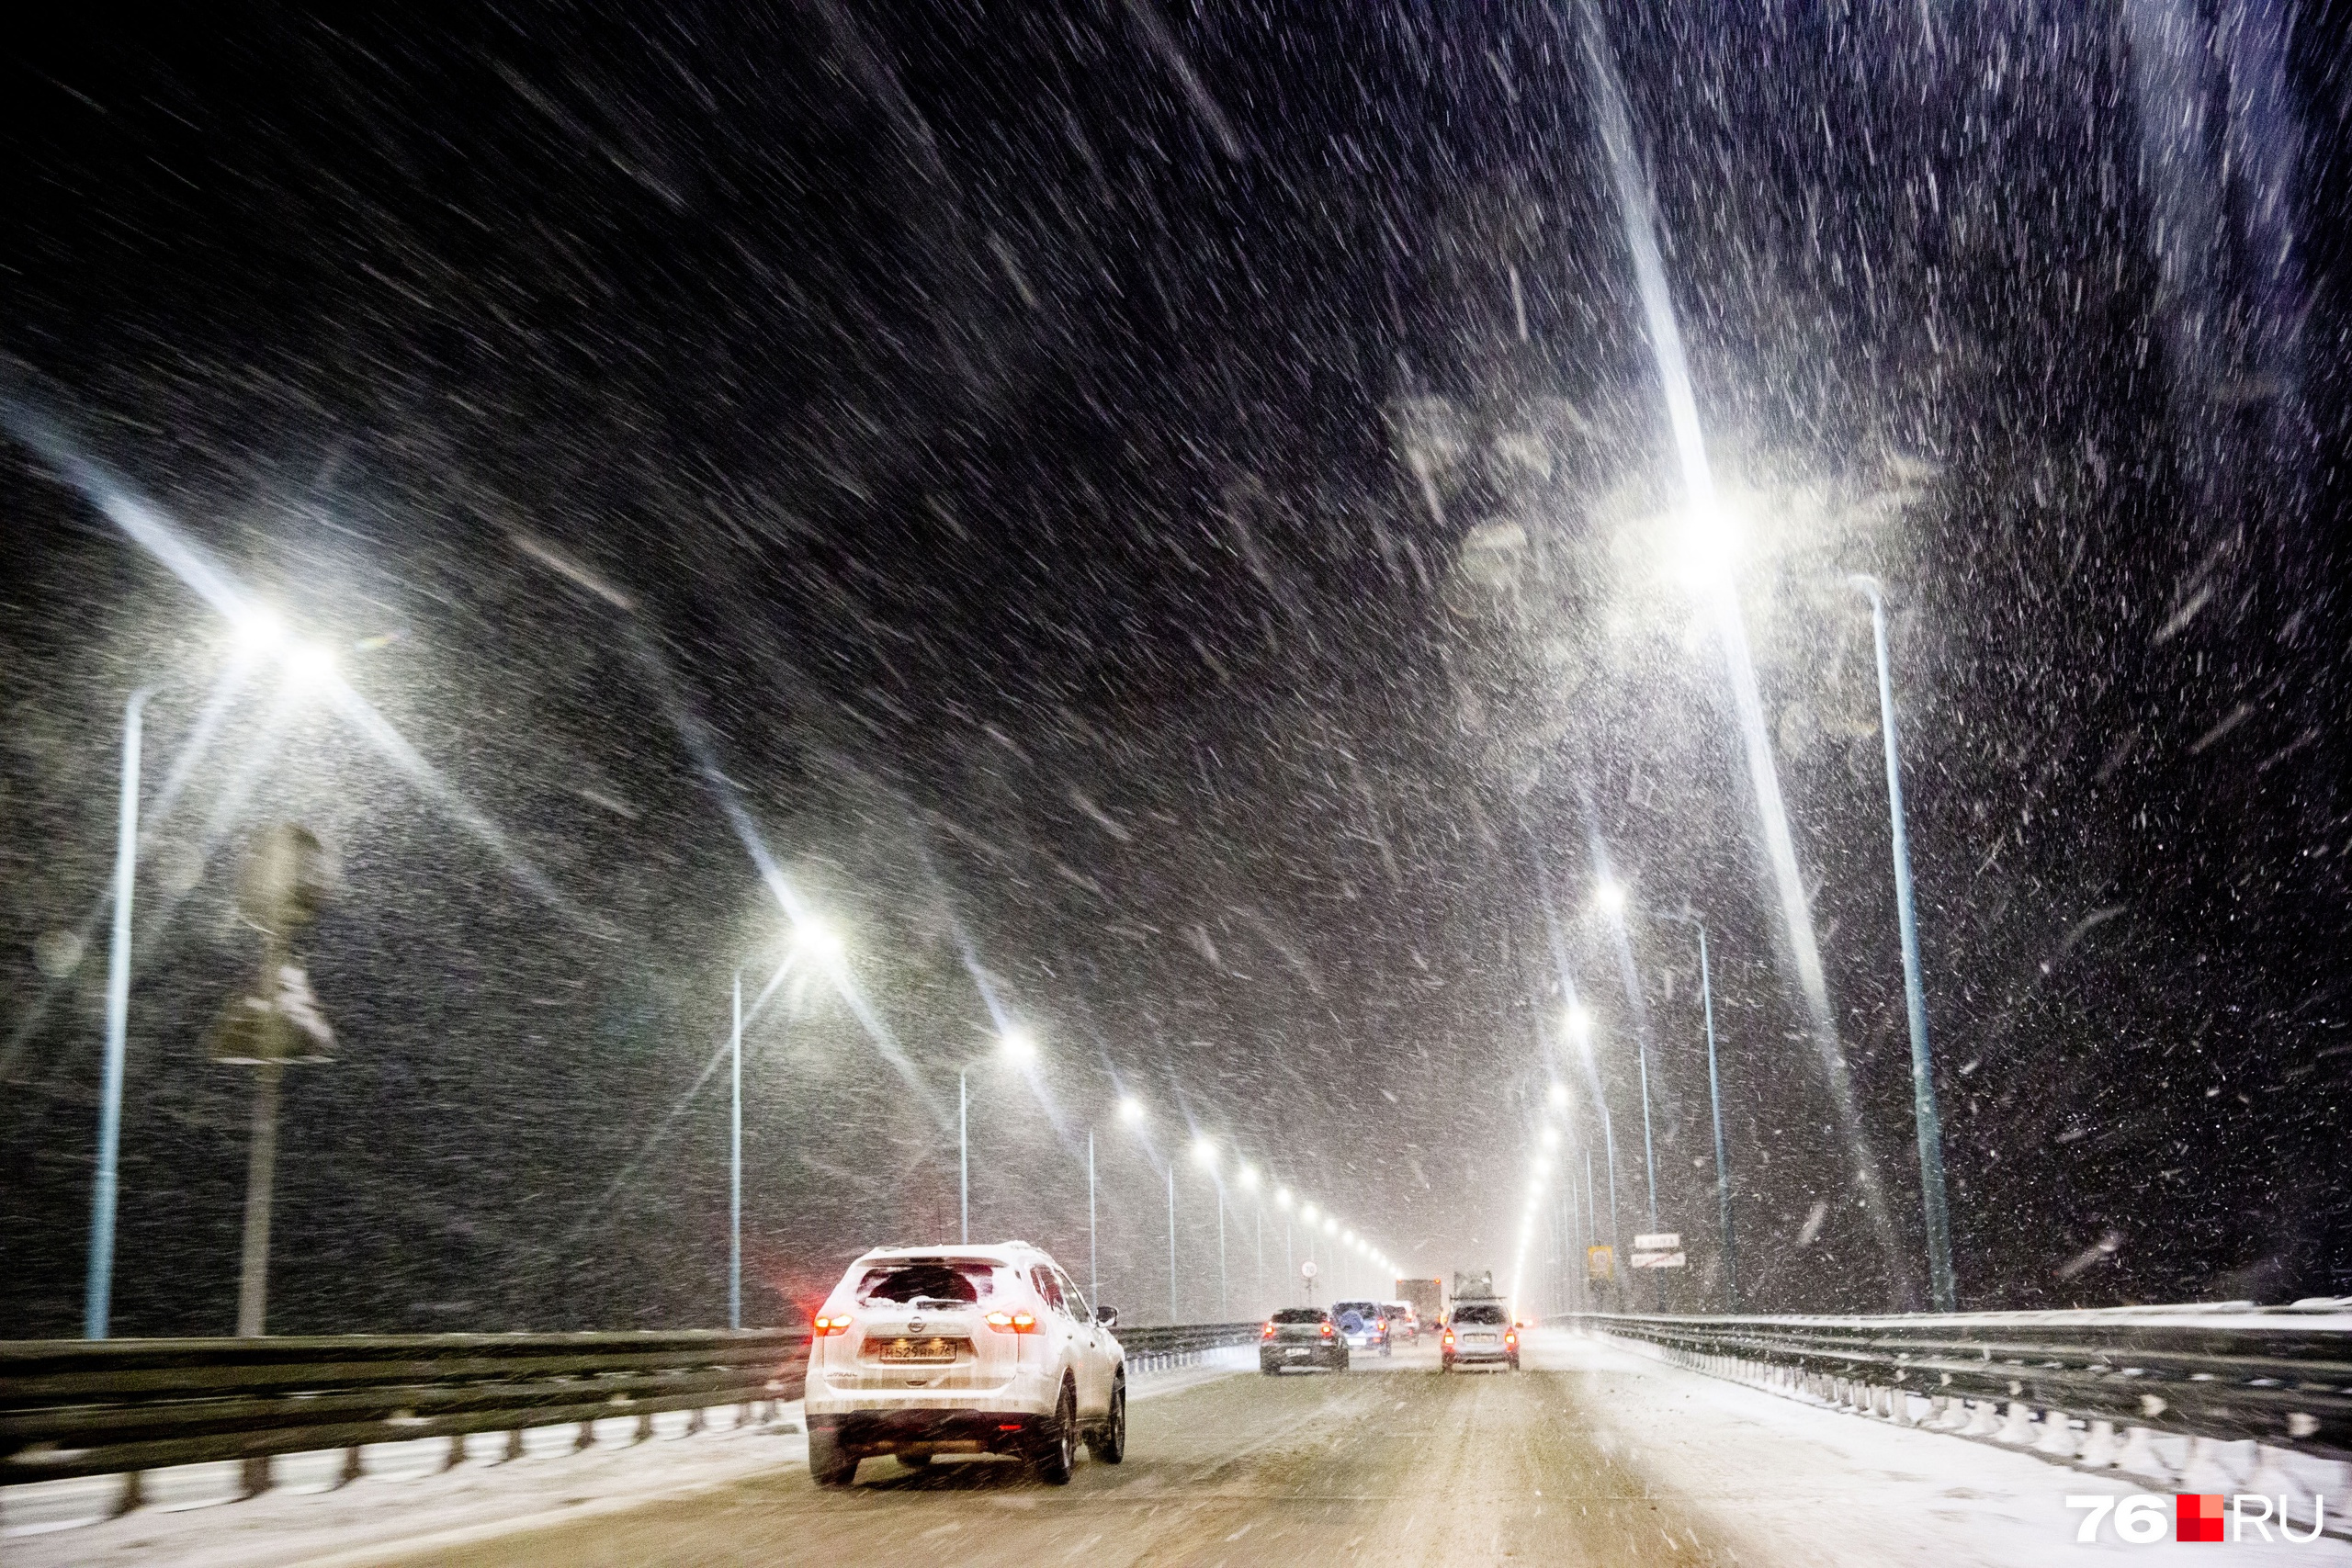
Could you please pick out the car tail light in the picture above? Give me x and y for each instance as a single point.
(830, 1325)
(1510, 1339)
(1449, 1337)
(1013, 1322)
(1269, 1334)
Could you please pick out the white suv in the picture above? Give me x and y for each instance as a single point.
(924, 1350)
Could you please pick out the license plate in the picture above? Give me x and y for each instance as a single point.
(1301, 1350)
(935, 1349)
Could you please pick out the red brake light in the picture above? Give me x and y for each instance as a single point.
(1269, 1334)
(1327, 1331)
(1449, 1337)
(1013, 1322)
(830, 1325)
(1510, 1339)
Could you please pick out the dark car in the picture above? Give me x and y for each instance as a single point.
(1301, 1337)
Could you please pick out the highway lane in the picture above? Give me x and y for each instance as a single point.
(1390, 1463)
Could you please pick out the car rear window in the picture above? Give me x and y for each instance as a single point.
(1479, 1314)
(1366, 1308)
(1299, 1315)
(943, 1280)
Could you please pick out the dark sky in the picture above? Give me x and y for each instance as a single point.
(997, 441)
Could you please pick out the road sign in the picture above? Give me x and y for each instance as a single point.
(1600, 1262)
(1307, 1269)
(1660, 1249)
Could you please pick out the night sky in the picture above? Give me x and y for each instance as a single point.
(1161, 521)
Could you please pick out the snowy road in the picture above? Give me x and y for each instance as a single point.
(1593, 1455)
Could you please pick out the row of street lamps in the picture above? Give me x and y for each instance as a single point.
(815, 942)
(1612, 900)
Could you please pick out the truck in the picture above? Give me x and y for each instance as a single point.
(1427, 1298)
(1480, 1285)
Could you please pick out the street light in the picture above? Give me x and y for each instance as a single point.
(1923, 1083)
(1016, 1046)
(257, 633)
(812, 938)
(1611, 898)
(1715, 1105)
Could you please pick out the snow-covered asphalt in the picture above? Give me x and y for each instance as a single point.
(1593, 1455)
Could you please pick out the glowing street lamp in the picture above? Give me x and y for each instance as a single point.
(1016, 1046)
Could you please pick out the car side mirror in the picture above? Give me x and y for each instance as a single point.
(1107, 1317)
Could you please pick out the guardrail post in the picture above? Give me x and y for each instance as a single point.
(2097, 1451)
(130, 1495)
(586, 1438)
(2018, 1427)
(254, 1476)
(514, 1445)
(456, 1454)
(2139, 1456)
(2058, 1440)
(352, 1466)
(644, 1427)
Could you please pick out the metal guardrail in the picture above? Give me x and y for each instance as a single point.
(73, 1408)
(2278, 1376)
(119, 1407)
(1149, 1348)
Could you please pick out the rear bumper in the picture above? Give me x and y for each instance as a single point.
(1029, 1392)
(1330, 1354)
(932, 1431)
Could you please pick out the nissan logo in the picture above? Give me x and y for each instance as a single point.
(914, 1325)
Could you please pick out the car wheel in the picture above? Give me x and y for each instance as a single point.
(914, 1461)
(1514, 1363)
(1058, 1444)
(1109, 1443)
(1342, 1365)
(828, 1463)
(1269, 1369)
(1445, 1364)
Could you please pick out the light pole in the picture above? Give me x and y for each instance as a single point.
(811, 937)
(1204, 1152)
(1923, 1084)
(1611, 899)
(100, 1290)
(1093, 1261)
(1017, 1048)
(735, 1162)
(1715, 1105)
(1171, 1242)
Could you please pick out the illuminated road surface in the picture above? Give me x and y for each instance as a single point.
(1595, 1454)
(1389, 1463)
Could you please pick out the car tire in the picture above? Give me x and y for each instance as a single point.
(1445, 1364)
(1514, 1363)
(1342, 1366)
(830, 1464)
(1056, 1455)
(1108, 1443)
(1271, 1370)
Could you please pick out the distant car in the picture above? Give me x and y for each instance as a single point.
(929, 1350)
(1479, 1334)
(1301, 1337)
(1363, 1324)
(1402, 1322)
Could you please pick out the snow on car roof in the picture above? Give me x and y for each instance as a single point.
(977, 1252)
